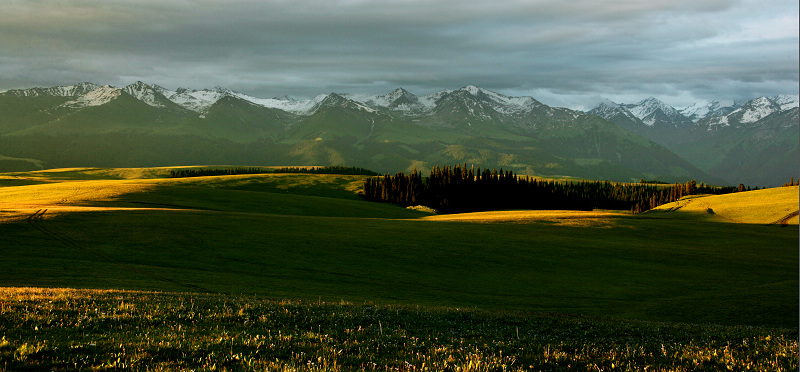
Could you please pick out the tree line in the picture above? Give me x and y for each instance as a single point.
(333, 169)
(461, 189)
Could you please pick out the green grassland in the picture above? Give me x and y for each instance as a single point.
(311, 238)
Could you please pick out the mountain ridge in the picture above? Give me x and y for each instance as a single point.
(389, 132)
(749, 141)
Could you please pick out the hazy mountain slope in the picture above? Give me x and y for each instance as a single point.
(118, 112)
(754, 142)
(22, 108)
(763, 153)
(657, 114)
(235, 119)
(17, 113)
(698, 111)
(618, 114)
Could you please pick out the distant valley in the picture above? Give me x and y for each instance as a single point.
(147, 125)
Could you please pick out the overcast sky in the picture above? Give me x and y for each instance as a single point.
(563, 53)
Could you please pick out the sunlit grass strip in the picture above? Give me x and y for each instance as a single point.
(766, 206)
(573, 218)
(56, 191)
(68, 193)
(43, 329)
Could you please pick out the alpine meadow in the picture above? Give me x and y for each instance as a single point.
(465, 230)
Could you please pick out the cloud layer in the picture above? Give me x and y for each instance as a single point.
(562, 53)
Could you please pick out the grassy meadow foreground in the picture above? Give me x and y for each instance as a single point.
(66, 329)
(708, 282)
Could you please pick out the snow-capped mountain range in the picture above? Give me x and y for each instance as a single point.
(64, 91)
(753, 141)
(653, 112)
(753, 111)
(697, 111)
(399, 100)
(650, 111)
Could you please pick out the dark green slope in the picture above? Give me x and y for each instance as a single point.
(123, 113)
(237, 120)
(731, 148)
(768, 152)
(337, 117)
(474, 115)
(462, 129)
(764, 153)
(19, 112)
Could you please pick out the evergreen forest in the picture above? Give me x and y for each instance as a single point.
(461, 189)
(332, 169)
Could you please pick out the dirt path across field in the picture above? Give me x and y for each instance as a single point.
(784, 221)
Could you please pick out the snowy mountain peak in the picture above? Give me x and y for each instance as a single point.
(399, 92)
(613, 111)
(145, 93)
(97, 97)
(61, 91)
(430, 100)
(335, 100)
(608, 103)
(397, 100)
(652, 110)
(755, 110)
(471, 89)
(751, 112)
(401, 100)
(651, 104)
(195, 100)
(139, 85)
(500, 103)
(699, 110)
(786, 101)
(78, 89)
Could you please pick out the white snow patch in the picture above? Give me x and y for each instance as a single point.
(367, 99)
(299, 107)
(786, 101)
(756, 110)
(97, 97)
(718, 121)
(143, 93)
(387, 100)
(429, 101)
(503, 104)
(471, 89)
(699, 110)
(62, 91)
(195, 100)
(608, 103)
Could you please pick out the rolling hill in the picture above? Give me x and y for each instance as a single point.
(766, 206)
(312, 237)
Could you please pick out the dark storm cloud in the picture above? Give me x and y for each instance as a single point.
(566, 53)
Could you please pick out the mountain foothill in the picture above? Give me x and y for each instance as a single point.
(141, 125)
